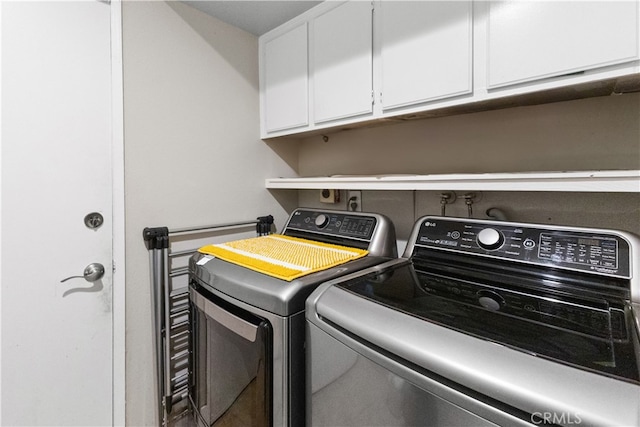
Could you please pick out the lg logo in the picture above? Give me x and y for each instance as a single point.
(429, 224)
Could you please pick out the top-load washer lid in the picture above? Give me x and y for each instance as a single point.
(387, 314)
(369, 231)
(594, 334)
(561, 293)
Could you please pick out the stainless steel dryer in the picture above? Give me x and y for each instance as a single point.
(249, 341)
(482, 323)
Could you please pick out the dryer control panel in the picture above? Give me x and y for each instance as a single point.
(582, 249)
(352, 225)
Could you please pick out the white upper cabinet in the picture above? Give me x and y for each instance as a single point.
(285, 81)
(532, 40)
(342, 62)
(426, 51)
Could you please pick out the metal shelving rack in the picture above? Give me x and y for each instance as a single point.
(171, 314)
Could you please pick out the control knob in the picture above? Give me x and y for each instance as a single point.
(490, 238)
(322, 220)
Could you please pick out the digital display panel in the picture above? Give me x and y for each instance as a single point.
(589, 242)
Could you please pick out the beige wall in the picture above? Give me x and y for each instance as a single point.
(192, 151)
(587, 134)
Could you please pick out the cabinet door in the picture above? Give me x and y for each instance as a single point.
(426, 51)
(286, 88)
(342, 62)
(531, 40)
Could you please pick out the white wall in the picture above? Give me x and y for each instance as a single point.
(192, 151)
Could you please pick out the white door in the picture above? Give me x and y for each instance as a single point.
(57, 359)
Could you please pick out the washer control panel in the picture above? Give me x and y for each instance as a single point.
(342, 224)
(572, 248)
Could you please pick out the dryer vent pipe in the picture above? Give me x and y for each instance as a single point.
(497, 214)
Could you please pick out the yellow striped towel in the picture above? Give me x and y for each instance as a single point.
(282, 256)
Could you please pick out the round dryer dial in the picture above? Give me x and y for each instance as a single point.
(322, 220)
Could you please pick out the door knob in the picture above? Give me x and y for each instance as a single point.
(92, 272)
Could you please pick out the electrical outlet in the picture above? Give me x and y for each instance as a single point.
(329, 196)
(354, 200)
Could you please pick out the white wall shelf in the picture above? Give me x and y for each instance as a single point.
(621, 181)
